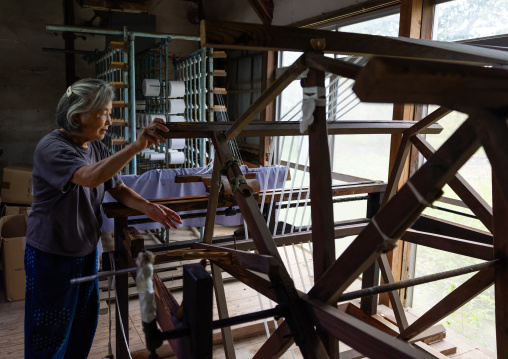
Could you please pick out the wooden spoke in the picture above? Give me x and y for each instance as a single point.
(439, 226)
(453, 301)
(398, 214)
(450, 244)
(459, 185)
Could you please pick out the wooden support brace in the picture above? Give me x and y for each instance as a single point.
(453, 301)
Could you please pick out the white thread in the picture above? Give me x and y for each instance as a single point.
(383, 236)
(417, 194)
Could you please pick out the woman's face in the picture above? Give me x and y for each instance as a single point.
(94, 125)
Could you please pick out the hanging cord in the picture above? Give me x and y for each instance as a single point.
(112, 262)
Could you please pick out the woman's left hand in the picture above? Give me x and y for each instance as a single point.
(165, 216)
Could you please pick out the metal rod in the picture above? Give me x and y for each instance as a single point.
(89, 278)
(421, 280)
(102, 31)
(453, 211)
(227, 322)
(132, 100)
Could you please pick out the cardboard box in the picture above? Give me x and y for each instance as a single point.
(13, 241)
(17, 184)
(12, 210)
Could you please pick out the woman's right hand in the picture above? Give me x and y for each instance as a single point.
(149, 136)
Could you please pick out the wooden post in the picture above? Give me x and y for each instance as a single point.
(416, 18)
(122, 294)
(268, 114)
(323, 238)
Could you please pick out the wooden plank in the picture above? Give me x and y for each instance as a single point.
(446, 228)
(459, 185)
(289, 128)
(252, 261)
(230, 35)
(501, 273)
(278, 343)
(398, 214)
(167, 307)
(429, 120)
(453, 301)
(264, 10)
(222, 309)
(427, 82)
(119, 85)
(117, 104)
(267, 97)
(370, 341)
(113, 5)
(450, 244)
(179, 204)
(118, 65)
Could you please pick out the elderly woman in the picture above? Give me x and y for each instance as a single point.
(72, 171)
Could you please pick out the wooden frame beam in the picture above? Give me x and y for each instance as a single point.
(264, 10)
(288, 128)
(231, 35)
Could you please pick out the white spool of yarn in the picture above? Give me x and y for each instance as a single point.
(176, 106)
(140, 105)
(176, 89)
(176, 158)
(176, 143)
(176, 118)
(151, 87)
(157, 156)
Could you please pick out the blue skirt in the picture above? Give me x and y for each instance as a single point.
(60, 318)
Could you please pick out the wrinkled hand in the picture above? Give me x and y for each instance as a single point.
(150, 136)
(165, 216)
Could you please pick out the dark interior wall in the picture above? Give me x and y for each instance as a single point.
(33, 81)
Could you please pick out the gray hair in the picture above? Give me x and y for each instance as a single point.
(83, 96)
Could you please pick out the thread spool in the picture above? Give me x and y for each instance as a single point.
(176, 89)
(176, 106)
(176, 118)
(148, 119)
(140, 105)
(151, 87)
(176, 143)
(147, 154)
(176, 158)
(157, 156)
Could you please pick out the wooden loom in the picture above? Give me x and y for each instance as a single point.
(395, 74)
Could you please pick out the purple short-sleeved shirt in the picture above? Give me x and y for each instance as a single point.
(66, 217)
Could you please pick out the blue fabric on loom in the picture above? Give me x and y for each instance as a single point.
(156, 184)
